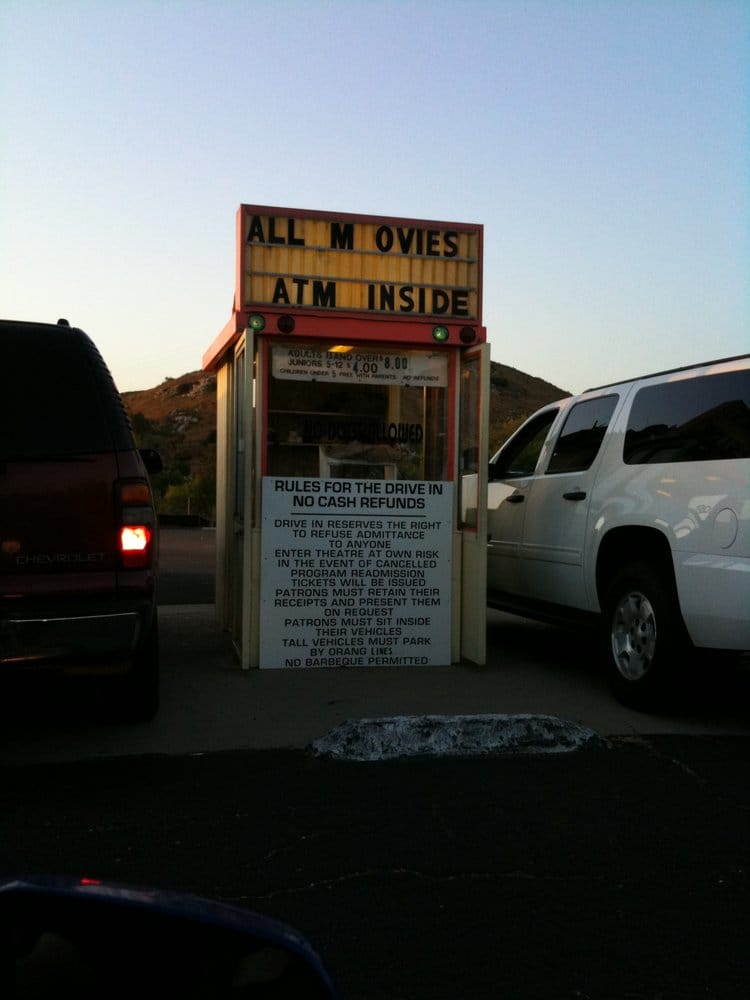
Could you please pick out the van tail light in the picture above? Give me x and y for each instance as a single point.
(135, 536)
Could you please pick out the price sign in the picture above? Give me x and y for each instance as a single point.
(374, 367)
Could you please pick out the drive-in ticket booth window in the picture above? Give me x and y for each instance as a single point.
(352, 414)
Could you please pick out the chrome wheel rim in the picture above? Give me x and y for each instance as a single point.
(634, 636)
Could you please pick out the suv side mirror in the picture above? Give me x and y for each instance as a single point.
(152, 460)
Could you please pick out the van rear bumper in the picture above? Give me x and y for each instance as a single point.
(28, 640)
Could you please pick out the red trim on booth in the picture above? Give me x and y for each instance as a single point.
(344, 327)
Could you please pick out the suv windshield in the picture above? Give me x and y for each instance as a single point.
(47, 407)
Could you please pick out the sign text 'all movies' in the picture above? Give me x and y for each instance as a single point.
(372, 267)
(355, 572)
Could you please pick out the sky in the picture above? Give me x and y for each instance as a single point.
(603, 146)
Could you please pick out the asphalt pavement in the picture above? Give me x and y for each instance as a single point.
(616, 871)
(209, 704)
(616, 868)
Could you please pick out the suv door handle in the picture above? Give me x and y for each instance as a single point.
(575, 495)
(514, 498)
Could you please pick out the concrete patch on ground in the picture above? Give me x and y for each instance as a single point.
(451, 735)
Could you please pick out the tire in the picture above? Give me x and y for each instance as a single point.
(644, 638)
(139, 694)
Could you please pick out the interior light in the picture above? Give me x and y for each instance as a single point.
(440, 334)
(256, 323)
(341, 349)
(285, 324)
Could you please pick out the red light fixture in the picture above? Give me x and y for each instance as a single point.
(134, 538)
(135, 546)
(135, 534)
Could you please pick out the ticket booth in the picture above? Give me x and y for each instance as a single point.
(352, 442)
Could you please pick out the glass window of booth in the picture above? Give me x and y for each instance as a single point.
(357, 411)
(468, 454)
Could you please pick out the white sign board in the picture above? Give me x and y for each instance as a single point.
(374, 366)
(355, 572)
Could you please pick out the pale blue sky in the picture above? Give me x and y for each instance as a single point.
(603, 145)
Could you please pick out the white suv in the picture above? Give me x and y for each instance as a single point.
(629, 506)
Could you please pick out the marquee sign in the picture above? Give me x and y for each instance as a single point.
(356, 264)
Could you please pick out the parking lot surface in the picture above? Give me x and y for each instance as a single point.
(617, 870)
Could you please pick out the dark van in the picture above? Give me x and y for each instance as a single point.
(78, 530)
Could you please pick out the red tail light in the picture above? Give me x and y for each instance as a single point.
(135, 543)
(136, 531)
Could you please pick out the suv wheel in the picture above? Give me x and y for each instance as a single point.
(644, 636)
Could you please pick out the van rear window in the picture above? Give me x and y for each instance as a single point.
(54, 402)
(690, 420)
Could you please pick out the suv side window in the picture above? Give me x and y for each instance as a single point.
(692, 420)
(582, 434)
(520, 458)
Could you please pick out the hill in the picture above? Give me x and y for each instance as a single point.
(178, 418)
(514, 396)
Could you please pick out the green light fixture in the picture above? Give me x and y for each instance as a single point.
(440, 334)
(256, 323)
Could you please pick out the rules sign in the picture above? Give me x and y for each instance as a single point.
(355, 572)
